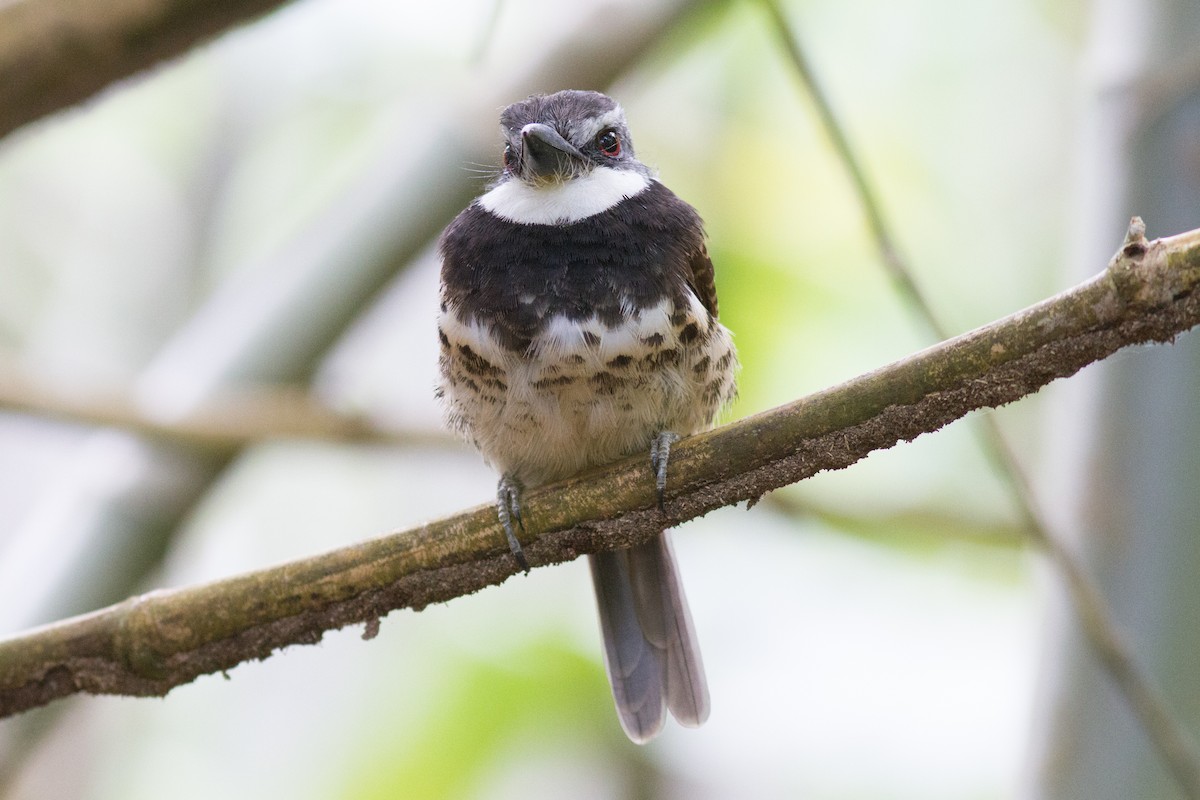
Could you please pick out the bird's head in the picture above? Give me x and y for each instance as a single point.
(552, 139)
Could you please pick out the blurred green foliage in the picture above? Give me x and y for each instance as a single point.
(487, 711)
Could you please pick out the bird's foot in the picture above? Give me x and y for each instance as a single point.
(660, 454)
(508, 508)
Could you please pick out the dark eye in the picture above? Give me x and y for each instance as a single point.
(609, 143)
(509, 157)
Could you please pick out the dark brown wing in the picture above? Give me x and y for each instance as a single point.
(702, 279)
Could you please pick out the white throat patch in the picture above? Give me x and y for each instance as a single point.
(571, 201)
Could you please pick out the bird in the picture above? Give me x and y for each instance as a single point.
(578, 326)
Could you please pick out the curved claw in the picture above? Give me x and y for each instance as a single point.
(660, 454)
(508, 509)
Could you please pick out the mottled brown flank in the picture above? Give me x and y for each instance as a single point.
(689, 333)
(606, 382)
(550, 383)
(443, 339)
(575, 360)
(701, 366)
(653, 340)
(590, 339)
(662, 358)
(476, 364)
(724, 361)
(620, 361)
(679, 316)
(714, 390)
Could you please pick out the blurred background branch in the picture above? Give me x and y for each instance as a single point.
(55, 53)
(1171, 738)
(235, 418)
(1124, 493)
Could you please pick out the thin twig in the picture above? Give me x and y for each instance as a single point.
(880, 231)
(149, 644)
(225, 424)
(1169, 736)
(914, 526)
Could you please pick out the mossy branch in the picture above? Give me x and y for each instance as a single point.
(149, 644)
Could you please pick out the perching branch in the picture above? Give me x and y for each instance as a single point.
(55, 53)
(149, 644)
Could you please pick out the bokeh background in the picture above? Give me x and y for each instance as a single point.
(258, 217)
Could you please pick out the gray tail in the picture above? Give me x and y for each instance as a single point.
(650, 647)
